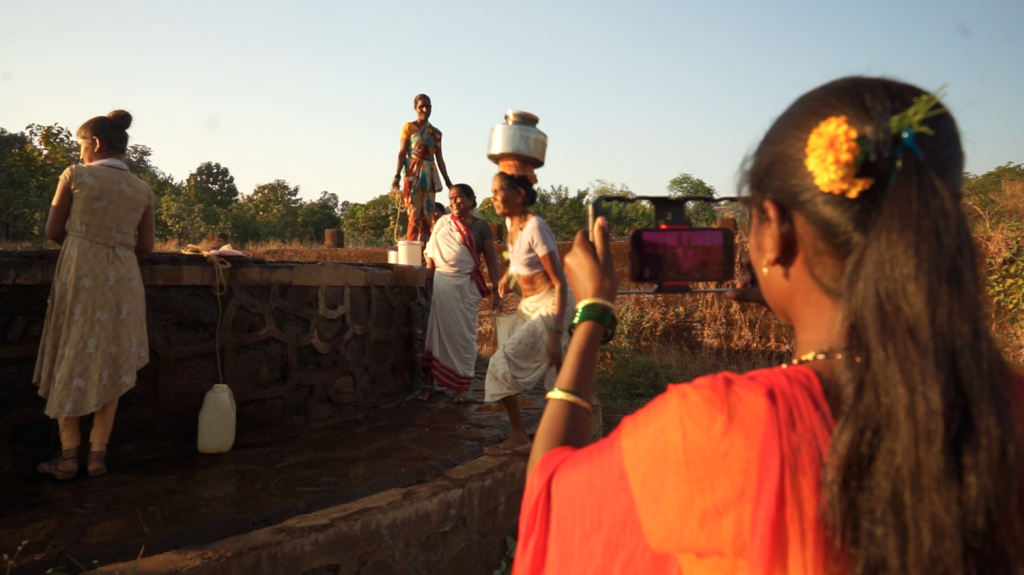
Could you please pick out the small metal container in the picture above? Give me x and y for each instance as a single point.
(518, 138)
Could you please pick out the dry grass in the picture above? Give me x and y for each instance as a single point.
(664, 338)
(996, 250)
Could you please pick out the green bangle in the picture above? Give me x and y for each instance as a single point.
(598, 313)
(573, 393)
(555, 329)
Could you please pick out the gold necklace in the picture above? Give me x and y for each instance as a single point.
(818, 355)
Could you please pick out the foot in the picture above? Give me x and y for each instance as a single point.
(97, 465)
(426, 393)
(509, 447)
(462, 397)
(63, 467)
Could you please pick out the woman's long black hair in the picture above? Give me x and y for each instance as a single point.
(924, 470)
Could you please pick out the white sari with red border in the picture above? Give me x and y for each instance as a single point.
(449, 355)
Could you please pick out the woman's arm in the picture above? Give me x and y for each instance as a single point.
(60, 209)
(591, 274)
(440, 166)
(493, 269)
(428, 286)
(146, 232)
(401, 159)
(554, 270)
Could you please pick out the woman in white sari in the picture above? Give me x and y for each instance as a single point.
(457, 285)
(536, 345)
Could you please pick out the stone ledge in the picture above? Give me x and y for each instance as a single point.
(36, 267)
(456, 523)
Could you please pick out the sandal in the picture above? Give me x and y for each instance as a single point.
(101, 469)
(52, 467)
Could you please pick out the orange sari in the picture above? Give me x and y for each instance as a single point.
(720, 475)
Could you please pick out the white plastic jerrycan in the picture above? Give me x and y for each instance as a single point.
(217, 420)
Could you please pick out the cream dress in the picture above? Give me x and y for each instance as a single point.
(94, 339)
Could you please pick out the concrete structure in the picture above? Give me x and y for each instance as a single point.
(299, 343)
(456, 523)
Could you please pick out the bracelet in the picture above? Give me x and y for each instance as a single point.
(561, 394)
(599, 313)
(596, 300)
(555, 329)
(571, 392)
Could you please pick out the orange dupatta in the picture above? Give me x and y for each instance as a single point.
(717, 476)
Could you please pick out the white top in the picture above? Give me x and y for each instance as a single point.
(535, 240)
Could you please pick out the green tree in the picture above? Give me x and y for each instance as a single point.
(319, 215)
(687, 186)
(370, 224)
(167, 204)
(485, 211)
(623, 217)
(564, 211)
(241, 224)
(276, 208)
(191, 209)
(56, 147)
(212, 185)
(30, 164)
(23, 198)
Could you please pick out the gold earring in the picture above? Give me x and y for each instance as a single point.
(764, 270)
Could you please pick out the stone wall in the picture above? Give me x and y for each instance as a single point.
(299, 343)
(456, 523)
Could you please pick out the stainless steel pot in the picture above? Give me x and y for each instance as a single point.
(518, 138)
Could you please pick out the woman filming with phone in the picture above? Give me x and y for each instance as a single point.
(888, 444)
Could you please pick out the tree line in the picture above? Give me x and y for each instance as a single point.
(208, 200)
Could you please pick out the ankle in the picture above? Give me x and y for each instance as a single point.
(69, 453)
(518, 437)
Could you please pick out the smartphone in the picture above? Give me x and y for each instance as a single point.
(681, 255)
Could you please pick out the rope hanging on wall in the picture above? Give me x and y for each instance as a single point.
(220, 287)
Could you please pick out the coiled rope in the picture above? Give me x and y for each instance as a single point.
(395, 195)
(220, 287)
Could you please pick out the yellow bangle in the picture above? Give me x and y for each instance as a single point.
(559, 394)
(598, 301)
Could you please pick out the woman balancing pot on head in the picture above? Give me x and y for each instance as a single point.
(94, 338)
(457, 285)
(891, 443)
(421, 144)
(533, 352)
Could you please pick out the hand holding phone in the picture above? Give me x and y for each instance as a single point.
(748, 289)
(590, 268)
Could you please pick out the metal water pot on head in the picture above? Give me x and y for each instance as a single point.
(519, 139)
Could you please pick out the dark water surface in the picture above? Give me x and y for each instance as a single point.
(166, 501)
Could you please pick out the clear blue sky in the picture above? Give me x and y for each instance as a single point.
(633, 92)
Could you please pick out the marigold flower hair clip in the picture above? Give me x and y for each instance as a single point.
(835, 153)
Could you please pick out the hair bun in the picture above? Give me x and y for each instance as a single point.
(120, 119)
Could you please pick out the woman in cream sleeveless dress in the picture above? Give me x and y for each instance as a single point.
(94, 339)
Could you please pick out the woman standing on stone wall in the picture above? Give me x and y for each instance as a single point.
(421, 144)
(94, 339)
(538, 338)
(453, 262)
